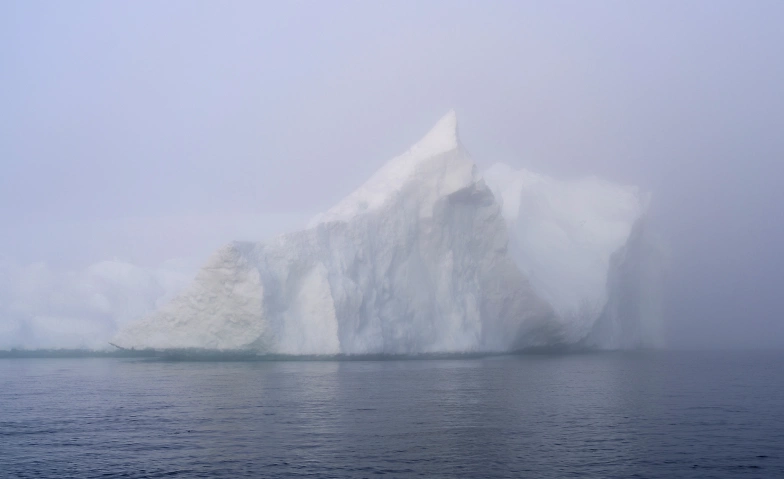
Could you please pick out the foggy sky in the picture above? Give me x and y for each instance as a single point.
(150, 130)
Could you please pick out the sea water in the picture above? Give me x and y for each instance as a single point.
(652, 415)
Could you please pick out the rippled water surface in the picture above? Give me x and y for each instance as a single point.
(594, 415)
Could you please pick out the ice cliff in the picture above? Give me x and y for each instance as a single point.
(424, 257)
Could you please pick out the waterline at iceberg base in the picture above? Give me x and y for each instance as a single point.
(431, 257)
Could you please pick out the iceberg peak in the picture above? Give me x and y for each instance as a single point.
(437, 159)
(441, 138)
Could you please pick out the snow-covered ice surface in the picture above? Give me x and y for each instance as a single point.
(424, 258)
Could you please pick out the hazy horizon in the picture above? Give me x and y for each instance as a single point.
(153, 131)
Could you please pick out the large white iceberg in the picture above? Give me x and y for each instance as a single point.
(419, 260)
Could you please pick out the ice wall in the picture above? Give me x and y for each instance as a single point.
(632, 316)
(564, 234)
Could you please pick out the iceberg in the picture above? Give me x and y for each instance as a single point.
(428, 256)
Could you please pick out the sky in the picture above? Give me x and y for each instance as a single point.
(146, 131)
